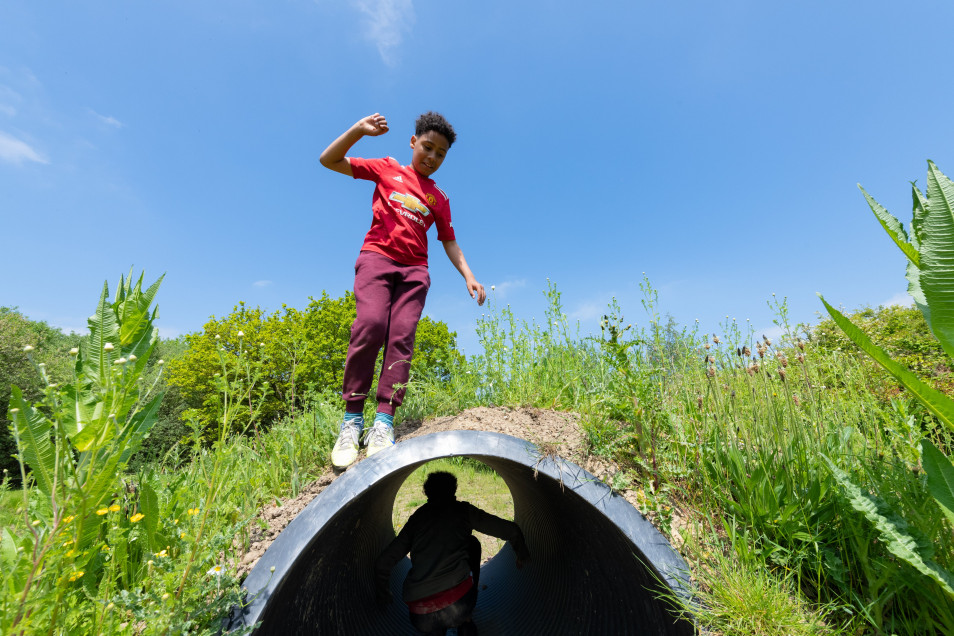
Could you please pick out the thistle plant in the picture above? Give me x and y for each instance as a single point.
(73, 445)
(929, 248)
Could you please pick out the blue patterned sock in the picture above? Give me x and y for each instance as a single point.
(384, 418)
(354, 418)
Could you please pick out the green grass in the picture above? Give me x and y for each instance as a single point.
(730, 431)
(738, 598)
(11, 513)
(476, 483)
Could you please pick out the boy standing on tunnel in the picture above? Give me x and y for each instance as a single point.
(391, 276)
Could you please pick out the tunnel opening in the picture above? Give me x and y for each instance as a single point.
(477, 483)
(597, 564)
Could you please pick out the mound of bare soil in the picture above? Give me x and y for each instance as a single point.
(554, 432)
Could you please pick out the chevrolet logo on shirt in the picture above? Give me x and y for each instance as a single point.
(410, 203)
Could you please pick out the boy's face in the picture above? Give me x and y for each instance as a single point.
(429, 152)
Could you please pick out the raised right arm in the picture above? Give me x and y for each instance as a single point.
(334, 156)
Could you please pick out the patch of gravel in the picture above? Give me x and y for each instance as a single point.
(555, 432)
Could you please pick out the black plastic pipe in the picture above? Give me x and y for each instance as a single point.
(597, 563)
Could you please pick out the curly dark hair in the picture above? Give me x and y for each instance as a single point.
(440, 486)
(436, 122)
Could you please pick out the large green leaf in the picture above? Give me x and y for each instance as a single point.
(913, 274)
(898, 542)
(94, 362)
(940, 473)
(919, 210)
(89, 528)
(135, 317)
(100, 479)
(939, 404)
(14, 560)
(33, 433)
(937, 256)
(8, 549)
(140, 424)
(80, 408)
(893, 227)
(149, 507)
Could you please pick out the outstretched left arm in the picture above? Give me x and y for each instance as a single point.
(456, 256)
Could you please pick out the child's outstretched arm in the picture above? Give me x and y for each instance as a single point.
(334, 157)
(456, 256)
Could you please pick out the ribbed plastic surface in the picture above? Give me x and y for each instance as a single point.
(595, 560)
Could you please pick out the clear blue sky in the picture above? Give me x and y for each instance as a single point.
(714, 146)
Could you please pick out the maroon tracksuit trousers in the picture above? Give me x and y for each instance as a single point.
(390, 298)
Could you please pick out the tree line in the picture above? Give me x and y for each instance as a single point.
(291, 354)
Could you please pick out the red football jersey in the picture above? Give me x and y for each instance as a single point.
(405, 204)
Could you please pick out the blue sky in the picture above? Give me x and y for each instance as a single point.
(714, 146)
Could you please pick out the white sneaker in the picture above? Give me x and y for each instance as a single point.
(379, 437)
(346, 448)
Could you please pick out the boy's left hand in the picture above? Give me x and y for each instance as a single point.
(476, 290)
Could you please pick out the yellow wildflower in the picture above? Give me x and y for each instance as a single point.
(76, 575)
(193, 511)
(137, 517)
(102, 511)
(114, 508)
(69, 519)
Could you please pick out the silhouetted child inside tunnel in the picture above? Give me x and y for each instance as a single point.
(441, 587)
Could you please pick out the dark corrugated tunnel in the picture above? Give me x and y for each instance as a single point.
(595, 560)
